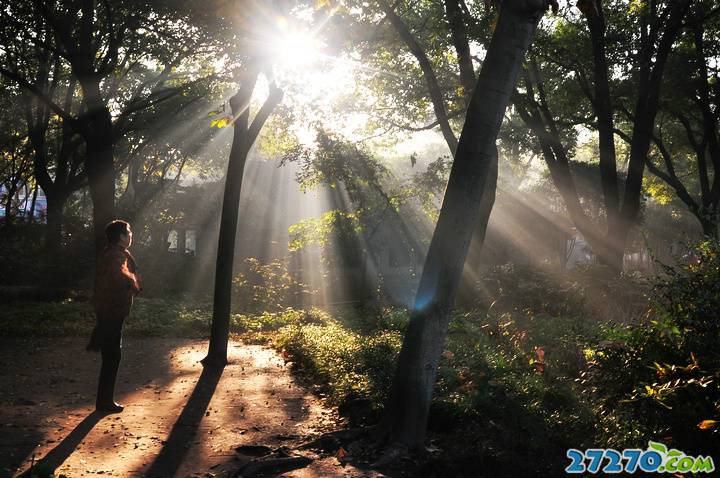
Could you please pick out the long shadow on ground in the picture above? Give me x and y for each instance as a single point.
(186, 427)
(47, 465)
(48, 382)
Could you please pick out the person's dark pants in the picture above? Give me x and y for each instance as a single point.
(107, 337)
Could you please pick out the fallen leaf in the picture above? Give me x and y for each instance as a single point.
(707, 424)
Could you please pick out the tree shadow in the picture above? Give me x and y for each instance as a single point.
(185, 428)
(47, 465)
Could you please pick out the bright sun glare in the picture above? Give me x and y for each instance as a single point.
(295, 47)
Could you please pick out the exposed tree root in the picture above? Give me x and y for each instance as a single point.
(273, 465)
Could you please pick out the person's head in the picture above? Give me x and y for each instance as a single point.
(118, 232)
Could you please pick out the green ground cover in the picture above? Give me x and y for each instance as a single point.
(519, 384)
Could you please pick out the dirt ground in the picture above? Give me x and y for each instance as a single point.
(178, 420)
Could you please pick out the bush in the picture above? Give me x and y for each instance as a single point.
(268, 287)
(662, 380)
(353, 370)
(595, 293)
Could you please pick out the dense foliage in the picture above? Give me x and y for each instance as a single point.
(661, 379)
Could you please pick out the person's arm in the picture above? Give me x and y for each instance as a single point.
(121, 275)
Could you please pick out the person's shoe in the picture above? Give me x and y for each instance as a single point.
(111, 407)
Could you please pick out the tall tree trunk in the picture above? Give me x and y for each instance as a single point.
(100, 143)
(475, 163)
(603, 108)
(217, 353)
(101, 174)
(646, 108)
(243, 139)
(458, 32)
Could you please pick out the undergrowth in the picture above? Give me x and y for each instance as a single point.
(516, 386)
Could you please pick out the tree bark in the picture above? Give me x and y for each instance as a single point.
(458, 32)
(53, 233)
(709, 226)
(431, 80)
(31, 215)
(100, 170)
(244, 135)
(470, 183)
(646, 108)
(602, 104)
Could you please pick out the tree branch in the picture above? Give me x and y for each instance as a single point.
(40, 95)
(435, 92)
(274, 98)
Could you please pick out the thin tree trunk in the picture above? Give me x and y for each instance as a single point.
(538, 118)
(458, 32)
(602, 105)
(431, 80)
(475, 163)
(53, 231)
(8, 204)
(31, 216)
(646, 107)
(220, 328)
(243, 139)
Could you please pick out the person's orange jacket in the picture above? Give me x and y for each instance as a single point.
(115, 282)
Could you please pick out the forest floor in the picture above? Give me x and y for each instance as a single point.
(178, 420)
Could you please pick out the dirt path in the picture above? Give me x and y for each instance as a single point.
(178, 420)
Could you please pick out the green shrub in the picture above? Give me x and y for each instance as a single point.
(268, 287)
(662, 380)
(348, 367)
(592, 292)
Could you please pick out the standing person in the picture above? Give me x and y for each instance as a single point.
(116, 284)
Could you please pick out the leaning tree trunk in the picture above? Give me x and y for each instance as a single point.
(405, 419)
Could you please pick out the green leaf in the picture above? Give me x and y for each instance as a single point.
(657, 446)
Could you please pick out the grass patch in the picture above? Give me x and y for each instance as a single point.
(148, 318)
